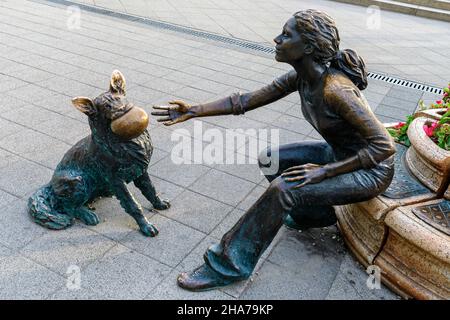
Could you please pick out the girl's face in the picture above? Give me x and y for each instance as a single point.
(290, 45)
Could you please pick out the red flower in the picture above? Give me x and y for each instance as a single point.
(439, 101)
(399, 125)
(429, 130)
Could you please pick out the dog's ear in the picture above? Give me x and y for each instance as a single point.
(117, 84)
(84, 105)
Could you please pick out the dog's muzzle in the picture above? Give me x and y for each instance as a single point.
(131, 124)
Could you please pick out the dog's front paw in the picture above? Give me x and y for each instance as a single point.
(148, 229)
(88, 217)
(162, 205)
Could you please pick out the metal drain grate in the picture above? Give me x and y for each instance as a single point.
(228, 40)
(405, 83)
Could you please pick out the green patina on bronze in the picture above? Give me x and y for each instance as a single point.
(117, 152)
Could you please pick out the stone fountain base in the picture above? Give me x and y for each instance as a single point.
(398, 232)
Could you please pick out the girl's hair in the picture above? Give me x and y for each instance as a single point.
(320, 31)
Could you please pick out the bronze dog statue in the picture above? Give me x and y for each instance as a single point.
(117, 151)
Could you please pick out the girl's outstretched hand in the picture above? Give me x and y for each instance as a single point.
(178, 111)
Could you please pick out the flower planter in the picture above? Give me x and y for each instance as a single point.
(435, 114)
(415, 260)
(428, 162)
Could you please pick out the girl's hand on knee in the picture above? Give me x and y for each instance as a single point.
(305, 173)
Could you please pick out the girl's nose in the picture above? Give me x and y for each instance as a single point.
(277, 39)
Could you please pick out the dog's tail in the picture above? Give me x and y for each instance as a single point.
(42, 208)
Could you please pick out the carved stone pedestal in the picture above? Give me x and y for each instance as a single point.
(415, 260)
(393, 232)
(362, 224)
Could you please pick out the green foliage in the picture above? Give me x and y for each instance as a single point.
(442, 132)
(399, 132)
(439, 132)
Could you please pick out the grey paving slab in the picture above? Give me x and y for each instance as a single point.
(91, 78)
(404, 94)
(6, 198)
(62, 105)
(49, 122)
(162, 85)
(66, 86)
(162, 138)
(30, 93)
(356, 276)
(197, 211)
(158, 155)
(303, 275)
(58, 251)
(393, 112)
(146, 95)
(281, 105)
(172, 244)
(409, 106)
(194, 95)
(8, 103)
(180, 174)
(263, 115)
(342, 290)
(274, 282)
(223, 187)
(33, 75)
(249, 170)
(5, 252)
(29, 115)
(236, 123)
(22, 278)
(9, 83)
(16, 226)
(280, 136)
(374, 98)
(386, 119)
(120, 274)
(20, 176)
(9, 127)
(36, 147)
(315, 250)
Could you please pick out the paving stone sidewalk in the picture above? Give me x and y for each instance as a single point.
(401, 45)
(43, 64)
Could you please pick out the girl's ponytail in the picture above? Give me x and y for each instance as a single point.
(352, 65)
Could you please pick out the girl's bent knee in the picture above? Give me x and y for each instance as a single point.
(280, 189)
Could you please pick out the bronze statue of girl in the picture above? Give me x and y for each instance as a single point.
(354, 162)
